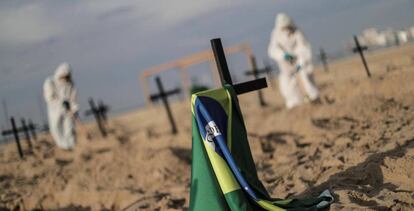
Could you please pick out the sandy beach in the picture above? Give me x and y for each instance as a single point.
(359, 143)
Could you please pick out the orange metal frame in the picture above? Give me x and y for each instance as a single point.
(185, 62)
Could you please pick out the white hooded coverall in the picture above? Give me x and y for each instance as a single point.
(282, 42)
(61, 119)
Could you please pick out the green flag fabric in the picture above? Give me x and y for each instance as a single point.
(223, 174)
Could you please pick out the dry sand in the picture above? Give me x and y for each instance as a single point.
(359, 143)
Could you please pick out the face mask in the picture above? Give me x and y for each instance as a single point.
(66, 79)
(290, 30)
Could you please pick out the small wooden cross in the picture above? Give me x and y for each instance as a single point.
(324, 59)
(97, 112)
(32, 128)
(360, 49)
(14, 131)
(163, 95)
(25, 129)
(256, 73)
(104, 110)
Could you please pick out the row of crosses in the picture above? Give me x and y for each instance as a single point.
(99, 111)
(225, 78)
(29, 130)
(357, 49)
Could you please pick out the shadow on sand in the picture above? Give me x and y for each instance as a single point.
(364, 178)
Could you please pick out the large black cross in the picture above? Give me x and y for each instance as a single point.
(163, 95)
(324, 59)
(99, 113)
(256, 73)
(14, 130)
(360, 49)
(224, 72)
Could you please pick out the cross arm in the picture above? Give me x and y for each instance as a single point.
(224, 72)
(260, 71)
(361, 48)
(103, 107)
(249, 86)
(18, 130)
(6, 132)
(90, 112)
(156, 97)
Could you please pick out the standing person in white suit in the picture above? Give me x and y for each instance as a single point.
(60, 96)
(290, 49)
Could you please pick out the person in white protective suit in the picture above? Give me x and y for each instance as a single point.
(60, 96)
(290, 49)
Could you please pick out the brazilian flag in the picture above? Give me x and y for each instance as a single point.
(223, 174)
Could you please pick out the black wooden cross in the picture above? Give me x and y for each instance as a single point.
(224, 72)
(44, 127)
(25, 129)
(163, 95)
(15, 132)
(256, 72)
(324, 59)
(270, 69)
(104, 110)
(32, 128)
(360, 49)
(97, 112)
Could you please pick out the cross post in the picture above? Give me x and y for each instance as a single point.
(323, 58)
(269, 69)
(256, 73)
(96, 112)
(25, 130)
(360, 49)
(32, 129)
(163, 95)
(103, 110)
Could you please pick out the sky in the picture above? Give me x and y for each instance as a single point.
(108, 43)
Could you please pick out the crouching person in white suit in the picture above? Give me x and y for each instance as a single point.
(60, 96)
(290, 49)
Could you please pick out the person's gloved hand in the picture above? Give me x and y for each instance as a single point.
(290, 58)
(76, 115)
(298, 67)
(66, 105)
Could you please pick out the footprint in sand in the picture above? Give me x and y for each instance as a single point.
(390, 104)
(63, 162)
(182, 153)
(123, 139)
(335, 123)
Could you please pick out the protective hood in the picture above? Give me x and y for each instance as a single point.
(283, 20)
(62, 70)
